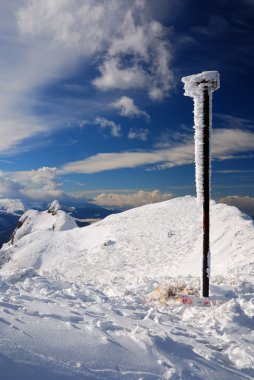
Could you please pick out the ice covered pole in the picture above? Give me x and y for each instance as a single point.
(201, 87)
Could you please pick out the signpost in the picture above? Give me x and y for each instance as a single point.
(201, 87)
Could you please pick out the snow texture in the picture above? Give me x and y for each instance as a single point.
(75, 304)
(194, 86)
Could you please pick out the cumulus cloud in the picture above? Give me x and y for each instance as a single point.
(40, 184)
(144, 40)
(115, 129)
(245, 204)
(131, 200)
(42, 178)
(36, 185)
(227, 144)
(138, 134)
(127, 108)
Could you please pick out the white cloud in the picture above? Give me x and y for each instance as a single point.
(44, 41)
(245, 204)
(138, 134)
(115, 76)
(127, 107)
(111, 28)
(40, 184)
(234, 171)
(9, 188)
(36, 185)
(146, 42)
(40, 179)
(108, 161)
(227, 144)
(114, 128)
(231, 141)
(131, 200)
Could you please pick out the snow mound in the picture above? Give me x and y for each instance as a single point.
(155, 241)
(51, 220)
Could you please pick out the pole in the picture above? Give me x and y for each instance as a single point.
(206, 192)
(200, 87)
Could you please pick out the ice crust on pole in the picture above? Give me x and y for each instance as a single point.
(194, 87)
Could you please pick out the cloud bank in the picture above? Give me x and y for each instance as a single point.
(245, 204)
(137, 199)
(226, 144)
(42, 185)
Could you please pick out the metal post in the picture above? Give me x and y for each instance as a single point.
(206, 192)
(200, 87)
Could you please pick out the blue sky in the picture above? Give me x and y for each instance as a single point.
(92, 104)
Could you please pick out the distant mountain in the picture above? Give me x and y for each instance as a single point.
(10, 212)
(8, 222)
(12, 209)
(87, 213)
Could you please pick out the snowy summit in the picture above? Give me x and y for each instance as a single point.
(76, 303)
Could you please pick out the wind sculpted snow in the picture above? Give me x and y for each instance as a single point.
(74, 304)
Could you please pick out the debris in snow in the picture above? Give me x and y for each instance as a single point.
(108, 243)
(164, 292)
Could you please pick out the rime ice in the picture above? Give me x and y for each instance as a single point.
(200, 87)
(194, 86)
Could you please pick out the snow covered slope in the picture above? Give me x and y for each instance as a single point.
(75, 303)
(53, 219)
(153, 241)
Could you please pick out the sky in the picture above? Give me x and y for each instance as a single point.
(92, 106)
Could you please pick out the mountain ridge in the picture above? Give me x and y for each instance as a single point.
(166, 235)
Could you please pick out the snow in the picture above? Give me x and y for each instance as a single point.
(194, 83)
(54, 206)
(76, 304)
(194, 87)
(35, 221)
